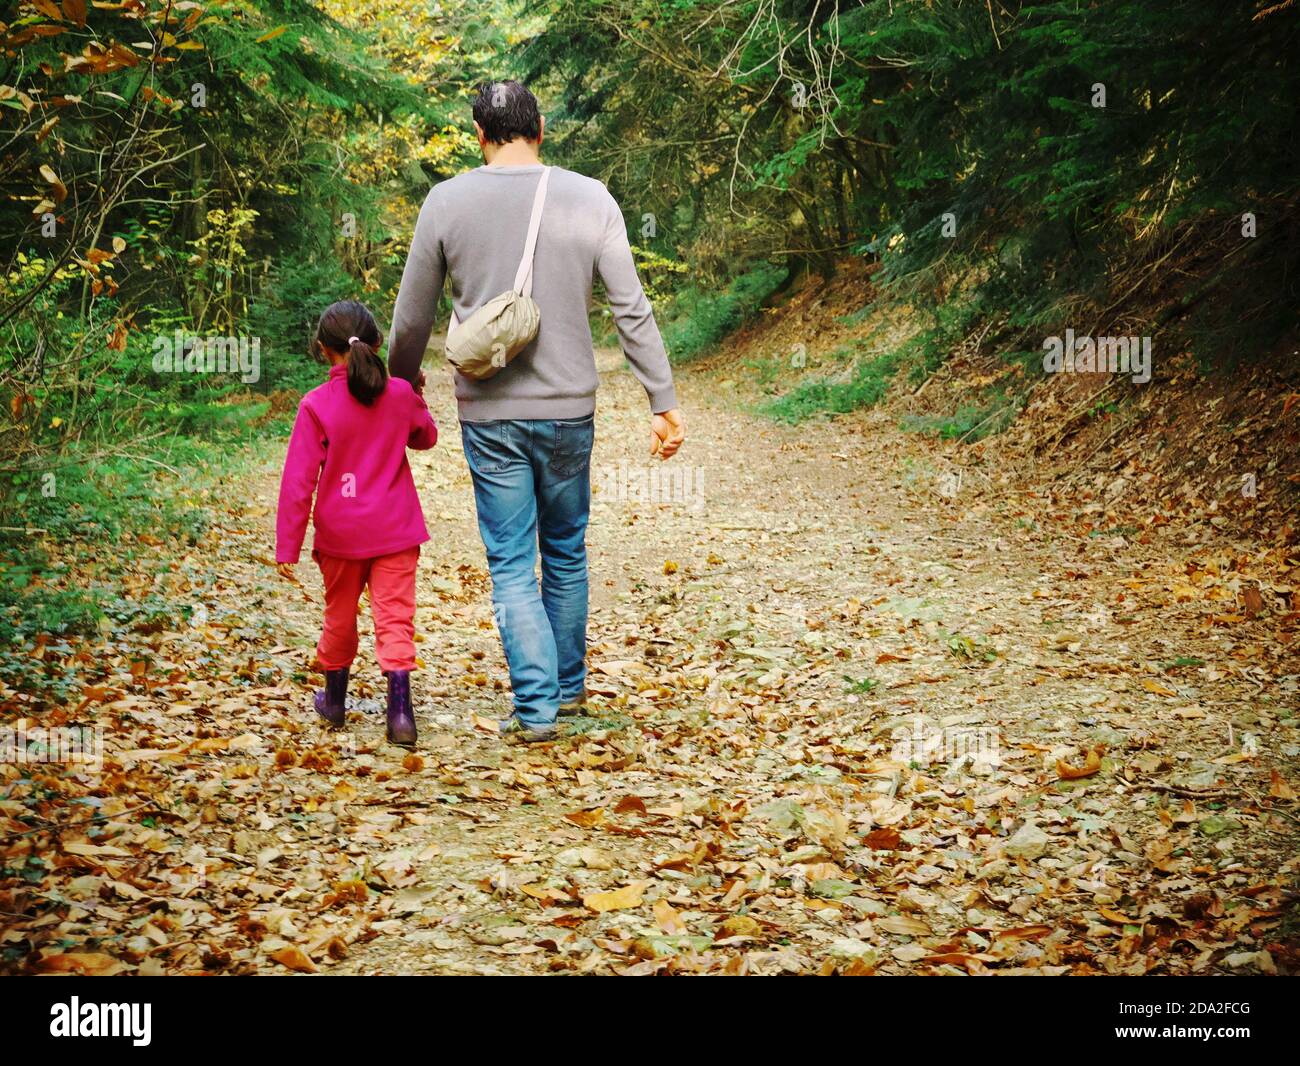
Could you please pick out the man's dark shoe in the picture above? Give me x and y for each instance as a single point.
(575, 706)
(513, 731)
(331, 701)
(401, 719)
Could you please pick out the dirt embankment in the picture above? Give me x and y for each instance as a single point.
(1215, 452)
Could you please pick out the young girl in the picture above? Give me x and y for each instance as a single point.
(349, 448)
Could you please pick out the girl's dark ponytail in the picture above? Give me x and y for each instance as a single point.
(348, 326)
(367, 375)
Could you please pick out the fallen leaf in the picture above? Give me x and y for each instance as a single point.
(91, 963)
(886, 839)
(295, 959)
(620, 899)
(902, 925)
(1092, 764)
(667, 918)
(1279, 789)
(739, 925)
(630, 803)
(586, 819)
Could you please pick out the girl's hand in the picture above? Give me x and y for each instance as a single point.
(287, 571)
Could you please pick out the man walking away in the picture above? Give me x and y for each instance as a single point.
(528, 430)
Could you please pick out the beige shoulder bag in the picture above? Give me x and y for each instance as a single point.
(495, 333)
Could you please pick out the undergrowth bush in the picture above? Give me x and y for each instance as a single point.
(699, 319)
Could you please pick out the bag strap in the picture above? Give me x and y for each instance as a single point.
(524, 275)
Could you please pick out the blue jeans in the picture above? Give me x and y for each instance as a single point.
(532, 489)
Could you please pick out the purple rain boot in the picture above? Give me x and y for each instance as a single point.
(401, 719)
(331, 701)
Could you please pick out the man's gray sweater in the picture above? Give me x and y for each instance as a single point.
(472, 228)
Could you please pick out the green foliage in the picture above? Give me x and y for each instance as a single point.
(222, 169)
(284, 315)
(970, 422)
(658, 273)
(239, 146)
(699, 319)
(959, 146)
(27, 608)
(866, 386)
(106, 516)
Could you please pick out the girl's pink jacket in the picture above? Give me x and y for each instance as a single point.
(353, 457)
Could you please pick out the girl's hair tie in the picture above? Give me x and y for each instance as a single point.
(353, 340)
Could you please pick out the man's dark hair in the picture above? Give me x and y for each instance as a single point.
(505, 110)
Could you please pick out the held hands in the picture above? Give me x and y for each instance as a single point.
(667, 431)
(287, 571)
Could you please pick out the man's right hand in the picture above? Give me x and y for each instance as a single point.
(667, 431)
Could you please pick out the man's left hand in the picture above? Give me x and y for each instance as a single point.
(667, 432)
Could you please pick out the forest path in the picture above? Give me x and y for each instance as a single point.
(830, 692)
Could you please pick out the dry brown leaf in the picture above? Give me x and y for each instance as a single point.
(295, 959)
(902, 925)
(1023, 932)
(548, 896)
(886, 839)
(619, 899)
(1279, 789)
(1091, 765)
(586, 819)
(75, 10)
(667, 918)
(630, 804)
(90, 963)
(739, 925)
